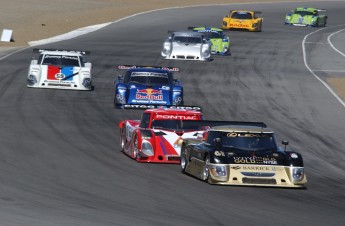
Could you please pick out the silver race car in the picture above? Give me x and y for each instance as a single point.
(60, 69)
(187, 45)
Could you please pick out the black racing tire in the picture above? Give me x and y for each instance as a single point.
(184, 160)
(122, 138)
(206, 172)
(317, 23)
(135, 149)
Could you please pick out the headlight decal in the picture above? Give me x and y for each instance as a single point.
(146, 148)
(32, 80)
(297, 174)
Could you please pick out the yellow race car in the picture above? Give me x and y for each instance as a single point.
(242, 19)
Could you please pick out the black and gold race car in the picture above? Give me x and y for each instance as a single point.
(242, 153)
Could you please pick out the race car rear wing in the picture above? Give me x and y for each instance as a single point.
(126, 67)
(35, 50)
(207, 28)
(322, 11)
(200, 125)
(256, 12)
(144, 107)
(207, 123)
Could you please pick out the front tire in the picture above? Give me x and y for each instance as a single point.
(183, 163)
(123, 139)
(206, 172)
(135, 150)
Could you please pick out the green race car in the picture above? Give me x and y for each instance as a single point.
(220, 42)
(307, 17)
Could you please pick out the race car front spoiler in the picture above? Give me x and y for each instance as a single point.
(144, 106)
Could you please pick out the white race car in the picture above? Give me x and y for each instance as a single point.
(187, 45)
(60, 69)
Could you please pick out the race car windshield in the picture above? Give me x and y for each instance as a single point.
(178, 125)
(248, 141)
(148, 78)
(211, 35)
(241, 15)
(187, 39)
(305, 13)
(61, 60)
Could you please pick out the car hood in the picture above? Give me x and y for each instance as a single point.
(217, 44)
(142, 94)
(62, 73)
(298, 19)
(169, 142)
(182, 48)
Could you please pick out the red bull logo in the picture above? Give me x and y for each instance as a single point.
(149, 94)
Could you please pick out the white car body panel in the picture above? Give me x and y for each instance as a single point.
(173, 48)
(46, 72)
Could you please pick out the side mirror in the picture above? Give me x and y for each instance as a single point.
(119, 78)
(176, 81)
(285, 143)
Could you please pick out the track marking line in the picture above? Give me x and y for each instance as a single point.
(336, 71)
(321, 43)
(331, 44)
(312, 72)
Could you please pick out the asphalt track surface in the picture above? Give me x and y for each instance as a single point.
(60, 154)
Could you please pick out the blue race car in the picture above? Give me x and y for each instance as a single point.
(147, 87)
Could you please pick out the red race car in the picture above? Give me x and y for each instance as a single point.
(157, 137)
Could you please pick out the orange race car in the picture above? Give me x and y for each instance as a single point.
(242, 19)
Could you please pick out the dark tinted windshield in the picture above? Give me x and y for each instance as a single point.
(305, 13)
(61, 60)
(213, 34)
(187, 39)
(173, 125)
(148, 78)
(247, 141)
(241, 15)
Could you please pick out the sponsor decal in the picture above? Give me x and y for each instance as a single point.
(196, 108)
(178, 117)
(149, 94)
(294, 155)
(61, 57)
(239, 25)
(207, 30)
(259, 168)
(56, 73)
(59, 76)
(137, 106)
(247, 135)
(148, 73)
(219, 153)
(255, 160)
(235, 167)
